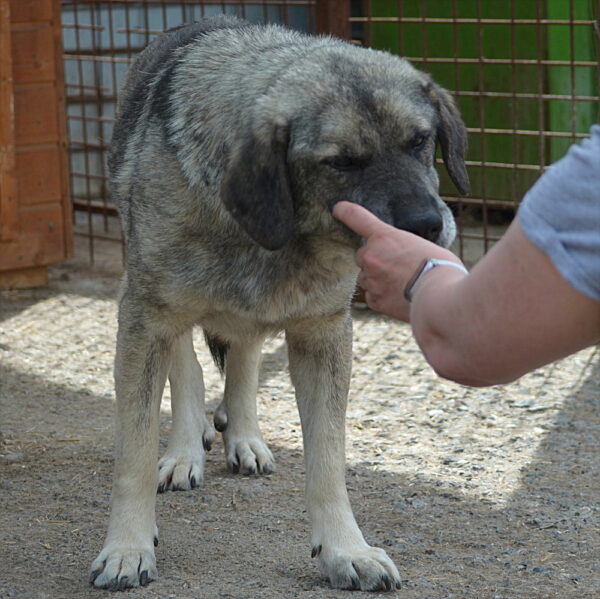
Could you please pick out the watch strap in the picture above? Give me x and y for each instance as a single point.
(423, 269)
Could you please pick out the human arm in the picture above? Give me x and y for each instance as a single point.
(513, 313)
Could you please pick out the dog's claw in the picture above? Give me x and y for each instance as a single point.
(161, 487)
(220, 426)
(207, 443)
(118, 584)
(93, 575)
(316, 551)
(387, 582)
(155, 544)
(144, 578)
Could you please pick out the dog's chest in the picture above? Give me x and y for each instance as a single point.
(246, 295)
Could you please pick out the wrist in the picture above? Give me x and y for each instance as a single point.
(433, 299)
(426, 266)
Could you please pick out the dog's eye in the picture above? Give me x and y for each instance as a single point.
(418, 141)
(343, 163)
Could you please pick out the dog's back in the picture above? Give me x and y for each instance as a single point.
(160, 56)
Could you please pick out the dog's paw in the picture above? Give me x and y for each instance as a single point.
(180, 473)
(119, 568)
(248, 454)
(365, 568)
(182, 466)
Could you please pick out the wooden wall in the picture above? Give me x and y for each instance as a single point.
(35, 209)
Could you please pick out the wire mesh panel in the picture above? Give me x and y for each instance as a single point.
(525, 75)
(100, 39)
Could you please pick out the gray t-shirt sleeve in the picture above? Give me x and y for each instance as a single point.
(561, 215)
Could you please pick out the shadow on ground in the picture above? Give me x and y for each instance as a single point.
(247, 537)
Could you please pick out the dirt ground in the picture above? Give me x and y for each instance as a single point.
(475, 493)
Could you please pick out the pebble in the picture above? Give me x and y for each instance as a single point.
(540, 570)
(13, 457)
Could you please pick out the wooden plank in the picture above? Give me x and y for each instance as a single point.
(8, 183)
(39, 175)
(24, 278)
(42, 221)
(36, 115)
(27, 11)
(31, 76)
(40, 242)
(33, 54)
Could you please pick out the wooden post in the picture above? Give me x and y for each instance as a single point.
(63, 145)
(332, 16)
(8, 185)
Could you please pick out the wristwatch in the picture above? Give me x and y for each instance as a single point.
(423, 269)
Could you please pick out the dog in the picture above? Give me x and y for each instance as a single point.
(231, 146)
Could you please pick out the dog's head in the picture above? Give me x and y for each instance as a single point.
(354, 125)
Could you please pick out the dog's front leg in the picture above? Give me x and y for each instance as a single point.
(320, 363)
(141, 366)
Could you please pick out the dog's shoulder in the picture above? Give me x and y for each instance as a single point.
(163, 51)
(149, 77)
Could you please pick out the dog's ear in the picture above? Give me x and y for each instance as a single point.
(452, 135)
(256, 187)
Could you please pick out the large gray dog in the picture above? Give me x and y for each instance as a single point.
(232, 144)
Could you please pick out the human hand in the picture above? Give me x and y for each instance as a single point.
(388, 259)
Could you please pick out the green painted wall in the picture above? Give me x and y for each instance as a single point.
(501, 41)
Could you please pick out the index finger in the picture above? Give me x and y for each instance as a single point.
(357, 218)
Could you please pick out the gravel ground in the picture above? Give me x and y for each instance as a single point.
(475, 493)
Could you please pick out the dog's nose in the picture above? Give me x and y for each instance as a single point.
(428, 225)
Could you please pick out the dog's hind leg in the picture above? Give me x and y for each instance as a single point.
(245, 450)
(141, 367)
(320, 363)
(182, 466)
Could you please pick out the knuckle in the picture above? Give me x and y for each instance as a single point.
(371, 260)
